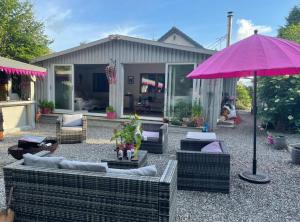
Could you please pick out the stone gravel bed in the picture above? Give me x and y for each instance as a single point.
(276, 201)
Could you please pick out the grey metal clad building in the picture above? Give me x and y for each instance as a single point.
(150, 77)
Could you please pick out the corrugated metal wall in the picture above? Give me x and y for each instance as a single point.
(122, 52)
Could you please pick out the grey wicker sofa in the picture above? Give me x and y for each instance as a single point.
(65, 135)
(155, 145)
(44, 194)
(203, 171)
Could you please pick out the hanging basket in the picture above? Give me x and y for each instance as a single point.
(110, 71)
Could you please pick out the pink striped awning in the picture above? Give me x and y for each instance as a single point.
(10, 66)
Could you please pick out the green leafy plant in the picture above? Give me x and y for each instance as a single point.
(279, 102)
(130, 132)
(182, 109)
(46, 104)
(196, 110)
(110, 109)
(176, 121)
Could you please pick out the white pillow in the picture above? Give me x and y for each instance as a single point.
(72, 120)
(48, 162)
(142, 171)
(86, 166)
(213, 147)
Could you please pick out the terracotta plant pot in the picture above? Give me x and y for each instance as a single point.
(111, 115)
(46, 110)
(1, 135)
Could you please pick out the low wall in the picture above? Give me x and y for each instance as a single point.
(18, 115)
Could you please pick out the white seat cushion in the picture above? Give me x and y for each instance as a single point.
(74, 128)
(150, 135)
(142, 171)
(48, 162)
(72, 120)
(201, 136)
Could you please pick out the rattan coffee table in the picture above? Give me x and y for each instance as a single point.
(128, 164)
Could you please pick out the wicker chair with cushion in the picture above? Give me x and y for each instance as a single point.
(90, 196)
(201, 170)
(71, 128)
(155, 137)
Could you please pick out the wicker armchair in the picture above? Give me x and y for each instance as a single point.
(203, 171)
(90, 196)
(155, 145)
(71, 134)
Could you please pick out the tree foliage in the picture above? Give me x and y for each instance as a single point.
(291, 30)
(280, 96)
(280, 101)
(243, 98)
(22, 37)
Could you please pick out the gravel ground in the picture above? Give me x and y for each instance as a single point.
(276, 201)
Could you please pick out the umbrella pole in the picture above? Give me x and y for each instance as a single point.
(254, 165)
(254, 177)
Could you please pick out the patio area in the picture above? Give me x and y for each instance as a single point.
(276, 201)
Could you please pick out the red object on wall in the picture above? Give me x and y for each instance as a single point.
(111, 115)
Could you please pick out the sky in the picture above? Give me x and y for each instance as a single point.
(71, 22)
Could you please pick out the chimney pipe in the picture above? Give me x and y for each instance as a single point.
(229, 28)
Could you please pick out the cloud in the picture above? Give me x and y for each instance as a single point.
(67, 32)
(122, 30)
(246, 28)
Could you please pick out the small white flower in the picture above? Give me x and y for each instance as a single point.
(290, 117)
(291, 98)
(265, 109)
(277, 100)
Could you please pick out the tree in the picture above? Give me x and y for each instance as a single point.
(280, 96)
(243, 100)
(22, 37)
(292, 28)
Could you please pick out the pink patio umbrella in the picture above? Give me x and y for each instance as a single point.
(257, 55)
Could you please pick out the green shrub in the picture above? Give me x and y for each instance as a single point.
(46, 104)
(279, 101)
(110, 109)
(243, 98)
(182, 109)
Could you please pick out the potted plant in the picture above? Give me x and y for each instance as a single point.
(110, 113)
(129, 136)
(46, 106)
(196, 115)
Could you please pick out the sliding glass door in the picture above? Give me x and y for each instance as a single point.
(64, 90)
(180, 91)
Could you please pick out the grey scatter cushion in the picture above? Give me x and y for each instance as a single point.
(48, 162)
(142, 171)
(86, 166)
(72, 120)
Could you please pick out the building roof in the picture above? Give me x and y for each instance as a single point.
(11, 66)
(175, 30)
(125, 38)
